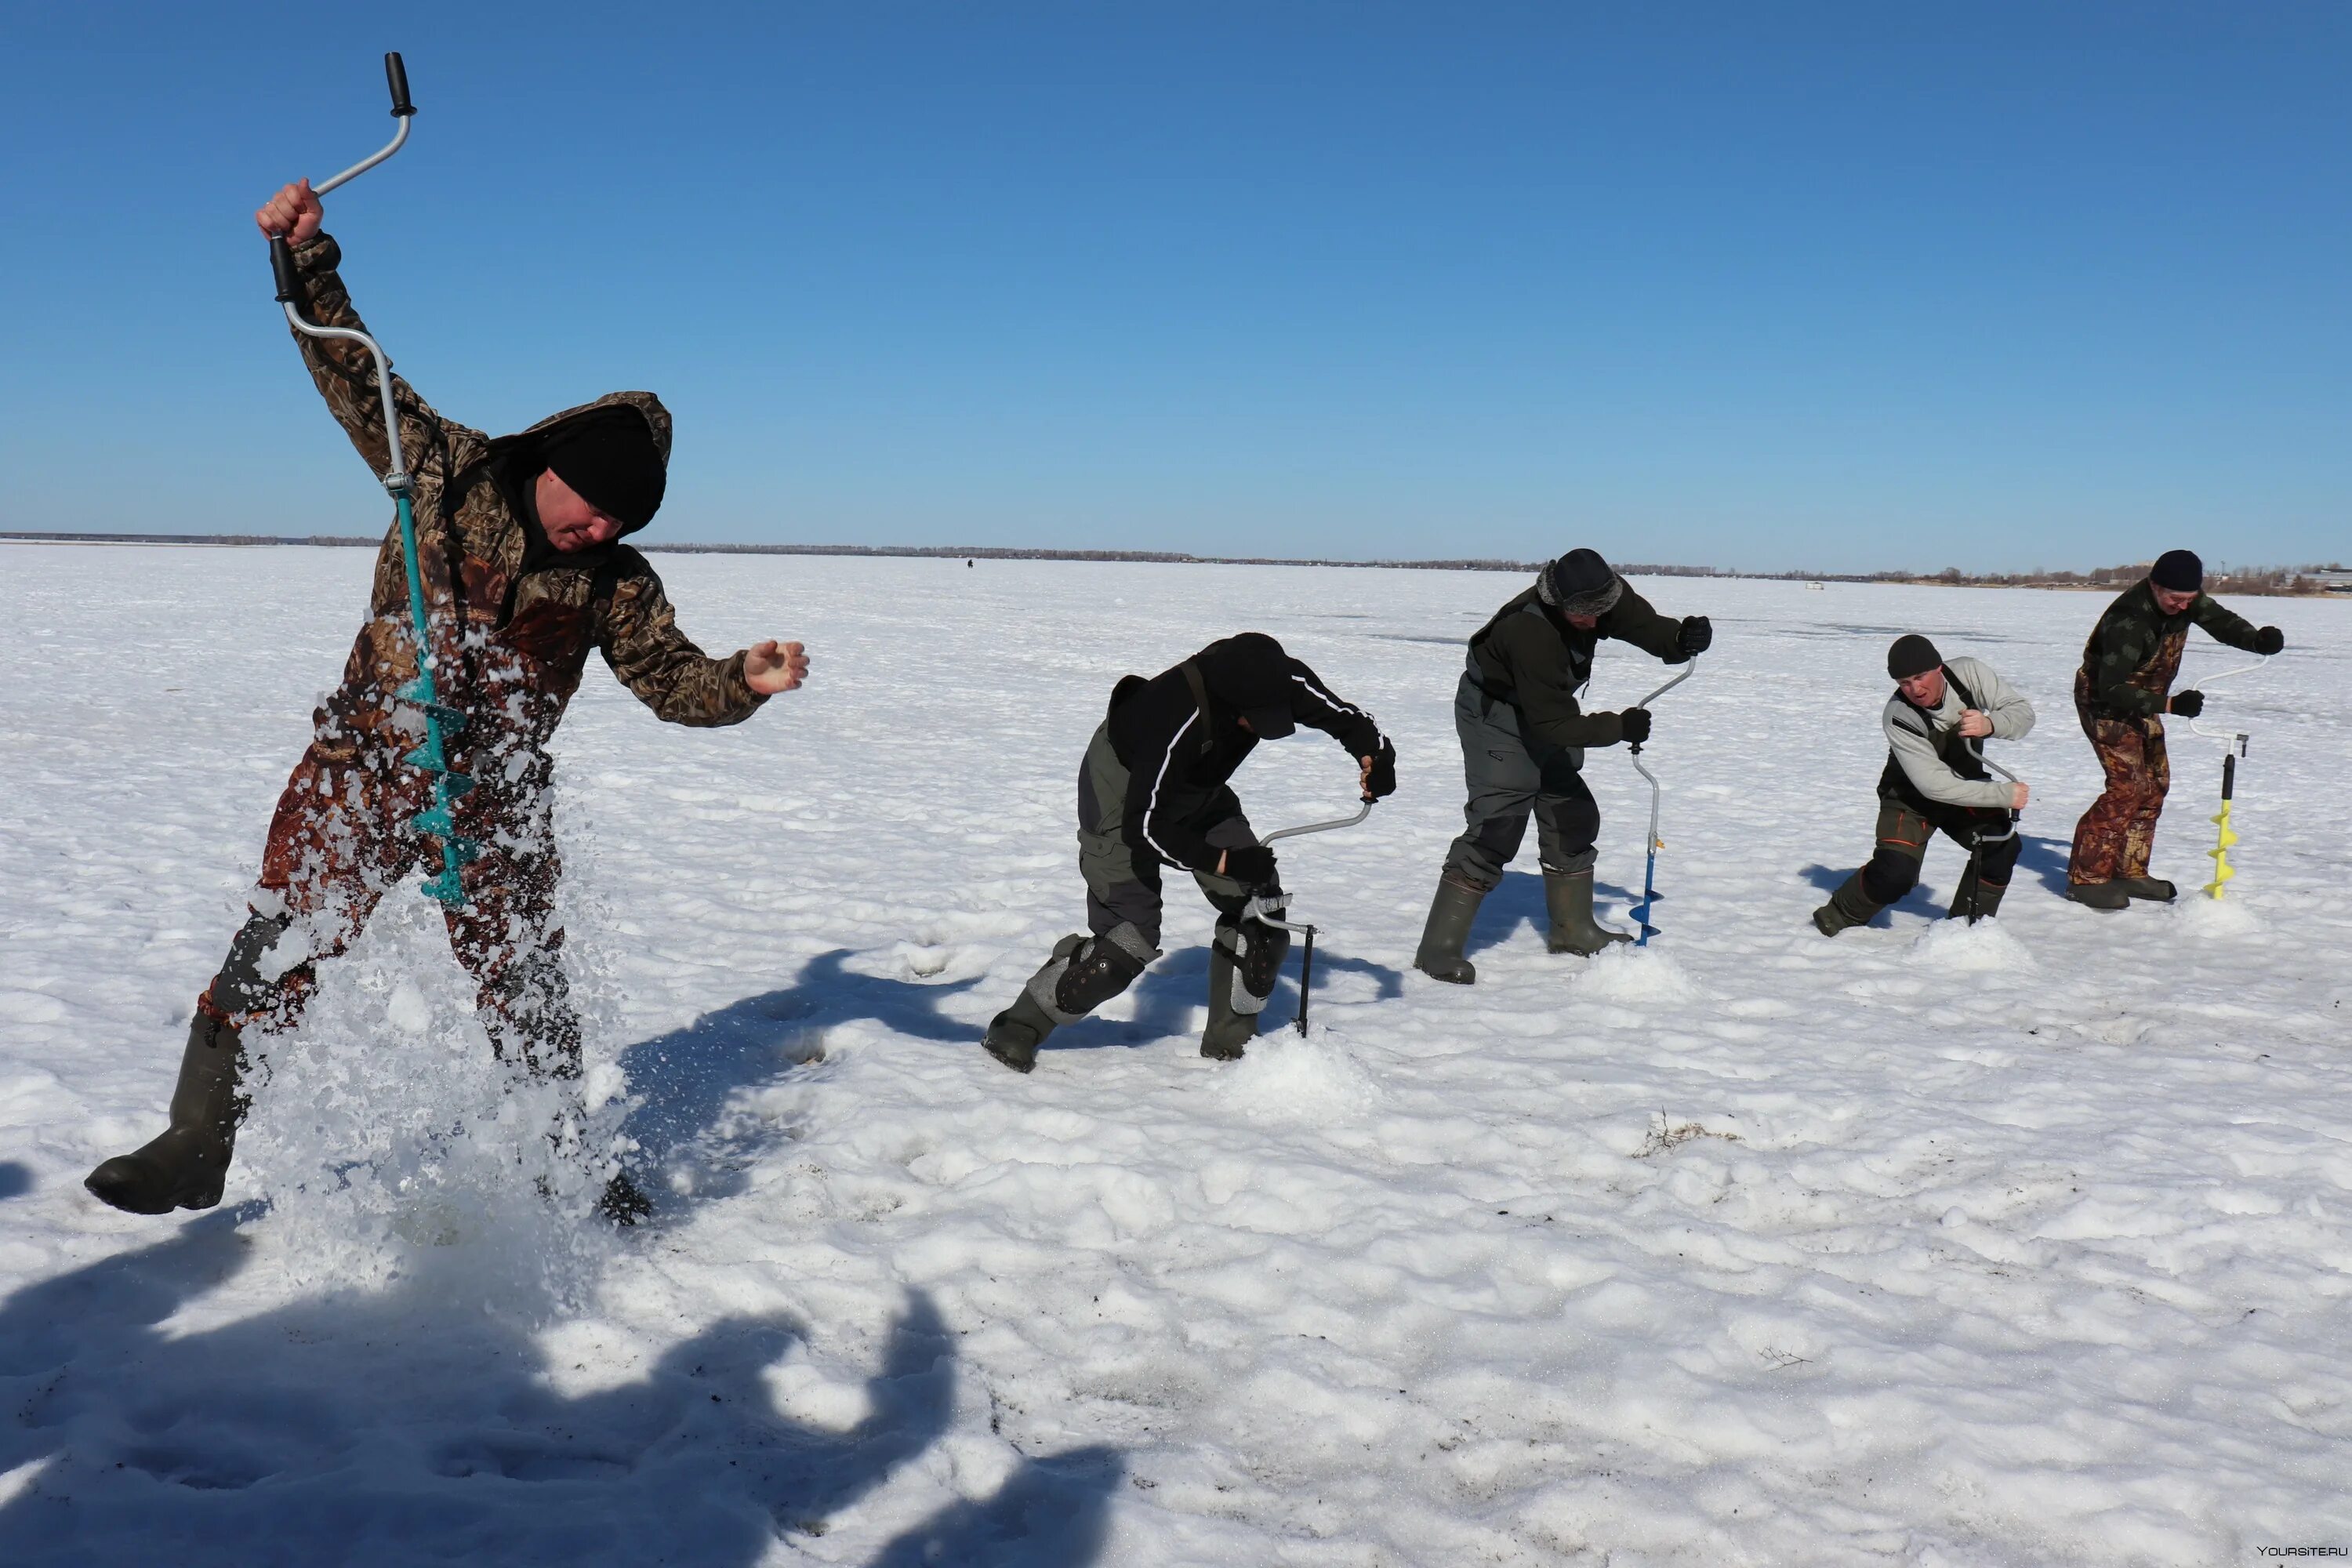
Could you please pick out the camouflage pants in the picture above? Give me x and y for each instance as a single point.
(2114, 837)
(340, 839)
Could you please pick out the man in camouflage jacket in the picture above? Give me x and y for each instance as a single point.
(517, 546)
(2121, 693)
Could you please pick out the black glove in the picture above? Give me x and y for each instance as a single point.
(1251, 865)
(1382, 784)
(1634, 722)
(2188, 704)
(1695, 637)
(2269, 641)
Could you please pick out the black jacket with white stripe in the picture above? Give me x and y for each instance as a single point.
(1178, 756)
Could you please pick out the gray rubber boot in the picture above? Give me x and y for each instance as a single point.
(1230, 1031)
(1450, 917)
(1567, 901)
(2099, 895)
(1848, 907)
(184, 1166)
(2154, 890)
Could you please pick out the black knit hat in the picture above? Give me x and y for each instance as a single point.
(1912, 655)
(2179, 571)
(1579, 584)
(609, 460)
(1250, 673)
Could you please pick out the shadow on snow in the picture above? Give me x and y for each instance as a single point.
(405, 1428)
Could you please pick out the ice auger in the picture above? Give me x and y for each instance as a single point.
(2234, 746)
(1977, 841)
(442, 722)
(1641, 911)
(1270, 912)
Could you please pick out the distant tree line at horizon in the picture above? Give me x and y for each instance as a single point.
(2243, 580)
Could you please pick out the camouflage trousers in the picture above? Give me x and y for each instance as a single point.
(2115, 836)
(340, 839)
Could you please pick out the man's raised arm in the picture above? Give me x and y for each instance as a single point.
(343, 370)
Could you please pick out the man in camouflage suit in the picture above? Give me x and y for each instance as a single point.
(523, 574)
(2121, 692)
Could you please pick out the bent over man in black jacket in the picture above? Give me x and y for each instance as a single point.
(1151, 792)
(1523, 741)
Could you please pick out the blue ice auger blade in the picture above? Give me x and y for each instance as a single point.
(421, 693)
(1650, 896)
(446, 888)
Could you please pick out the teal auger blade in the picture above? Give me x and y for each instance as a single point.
(435, 820)
(465, 852)
(447, 889)
(428, 757)
(452, 785)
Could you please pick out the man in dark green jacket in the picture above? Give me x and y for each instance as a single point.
(2121, 693)
(1523, 742)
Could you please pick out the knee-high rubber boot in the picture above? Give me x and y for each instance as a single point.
(1450, 915)
(1014, 1035)
(1848, 907)
(1987, 897)
(1230, 1029)
(1567, 901)
(185, 1165)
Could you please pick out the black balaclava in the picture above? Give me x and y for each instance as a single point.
(1912, 655)
(2179, 571)
(1579, 584)
(609, 460)
(1250, 673)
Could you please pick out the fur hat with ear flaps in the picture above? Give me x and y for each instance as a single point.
(1579, 584)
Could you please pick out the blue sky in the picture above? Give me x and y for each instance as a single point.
(1842, 286)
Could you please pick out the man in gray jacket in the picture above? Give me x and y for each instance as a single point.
(1936, 780)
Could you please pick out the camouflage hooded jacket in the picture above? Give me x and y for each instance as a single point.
(512, 619)
(2134, 651)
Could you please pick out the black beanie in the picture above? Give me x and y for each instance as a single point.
(1579, 584)
(1912, 655)
(2178, 570)
(609, 460)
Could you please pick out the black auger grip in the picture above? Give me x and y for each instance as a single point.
(281, 262)
(396, 74)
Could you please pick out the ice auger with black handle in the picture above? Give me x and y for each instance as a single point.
(1979, 838)
(1641, 911)
(442, 722)
(1271, 910)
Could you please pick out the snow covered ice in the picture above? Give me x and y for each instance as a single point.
(2015, 1246)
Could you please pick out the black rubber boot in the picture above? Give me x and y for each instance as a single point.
(1567, 901)
(1848, 907)
(1450, 917)
(2099, 895)
(1230, 1031)
(1987, 897)
(185, 1166)
(2154, 889)
(1014, 1035)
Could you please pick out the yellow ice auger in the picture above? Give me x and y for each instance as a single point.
(2234, 746)
(2223, 869)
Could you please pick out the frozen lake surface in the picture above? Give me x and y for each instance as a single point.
(2019, 1246)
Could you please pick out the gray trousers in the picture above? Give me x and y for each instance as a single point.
(1122, 888)
(1507, 785)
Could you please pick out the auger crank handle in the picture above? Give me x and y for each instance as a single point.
(396, 76)
(281, 264)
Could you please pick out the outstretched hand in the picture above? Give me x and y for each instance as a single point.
(294, 212)
(770, 666)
